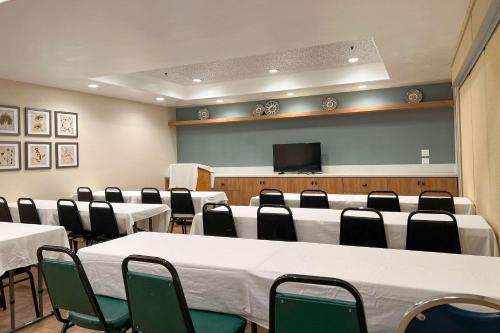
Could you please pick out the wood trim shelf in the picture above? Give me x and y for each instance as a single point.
(295, 115)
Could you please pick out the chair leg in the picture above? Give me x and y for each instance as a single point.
(253, 327)
(75, 245)
(33, 293)
(65, 327)
(150, 224)
(3, 304)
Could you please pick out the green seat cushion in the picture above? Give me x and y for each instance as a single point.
(114, 310)
(213, 322)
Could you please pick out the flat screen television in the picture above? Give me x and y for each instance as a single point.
(297, 157)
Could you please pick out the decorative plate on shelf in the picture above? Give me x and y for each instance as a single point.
(203, 114)
(272, 107)
(414, 96)
(329, 103)
(259, 110)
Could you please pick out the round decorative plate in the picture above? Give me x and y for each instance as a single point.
(329, 103)
(272, 107)
(414, 96)
(203, 114)
(259, 110)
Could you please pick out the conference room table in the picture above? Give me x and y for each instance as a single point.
(199, 197)
(234, 275)
(18, 246)
(323, 226)
(127, 215)
(463, 205)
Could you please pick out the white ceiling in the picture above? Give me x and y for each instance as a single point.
(127, 45)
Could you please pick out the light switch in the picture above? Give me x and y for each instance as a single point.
(425, 160)
(425, 152)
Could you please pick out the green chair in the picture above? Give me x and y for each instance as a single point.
(69, 289)
(292, 313)
(157, 304)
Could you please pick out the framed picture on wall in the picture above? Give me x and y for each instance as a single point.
(10, 155)
(37, 122)
(10, 120)
(38, 155)
(66, 124)
(67, 155)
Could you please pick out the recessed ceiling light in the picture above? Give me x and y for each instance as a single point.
(290, 93)
(362, 86)
(219, 101)
(353, 60)
(196, 80)
(160, 99)
(93, 85)
(274, 70)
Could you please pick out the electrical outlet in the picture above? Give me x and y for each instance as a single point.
(425, 160)
(425, 153)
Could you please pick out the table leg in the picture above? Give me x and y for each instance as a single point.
(40, 289)
(150, 224)
(12, 301)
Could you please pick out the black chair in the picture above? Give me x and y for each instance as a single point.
(269, 196)
(314, 199)
(27, 211)
(275, 225)
(182, 207)
(102, 222)
(385, 201)
(296, 313)
(436, 200)
(70, 219)
(431, 235)
(29, 277)
(85, 194)
(4, 211)
(150, 195)
(218, 222)
(358, 230)
(113, 194)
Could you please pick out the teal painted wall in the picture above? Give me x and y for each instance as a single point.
(392, 137)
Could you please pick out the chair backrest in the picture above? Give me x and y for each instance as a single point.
(275, 222)
(270, 196)
(218, 220)
(4, 211)
(440, 315)
(181, 201)
(156, 303)
(436, 200)
(385, 201)
(150, 195)
(314, 199)
(27, 211)
(103, 219)
(292, 313)
(433, 235)
(362, 230)
(113, 194)
(68, 286)
(84, 194)
(69, 216)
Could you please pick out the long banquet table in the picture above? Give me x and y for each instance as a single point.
(323, 226)
(127, 215)
(340, 201)
(199, 197)
(235, 275)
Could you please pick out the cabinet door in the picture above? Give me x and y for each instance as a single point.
(364, 185)
(299, 184)
(404, 185)
(449, 184)
(331, 185)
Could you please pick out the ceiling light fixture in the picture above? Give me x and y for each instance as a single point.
(290, 93)
(362, 86)
(93, 85)
(274, 70)
(160, 99)
(353, 60)
(219, 101)
(196, 80)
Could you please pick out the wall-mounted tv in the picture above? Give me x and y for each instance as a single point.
(297, 157)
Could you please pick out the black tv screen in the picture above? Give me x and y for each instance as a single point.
(297, 157)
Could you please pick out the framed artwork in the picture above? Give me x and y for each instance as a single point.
(10, 120)
(10, 155)
(66, 124)
(38, 155)
(67, 155)
(37, 122)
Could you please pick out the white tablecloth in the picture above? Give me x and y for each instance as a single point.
(340, 201)
(323, 226)
(235, 275)
(19, 243)
(199, 197)
(126, 215)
